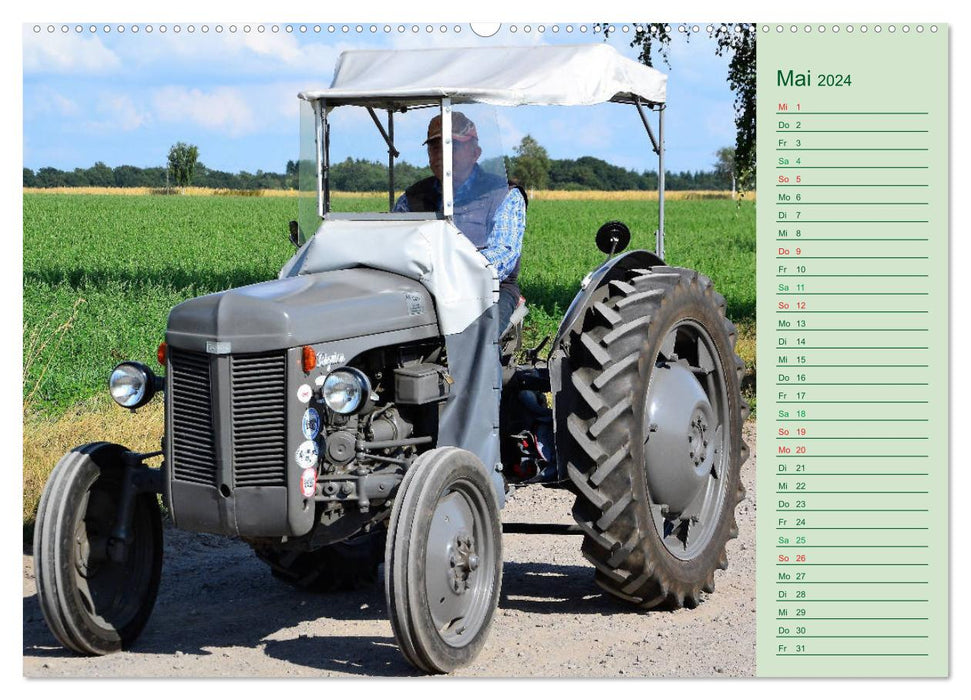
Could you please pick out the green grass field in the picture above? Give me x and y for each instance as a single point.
(102, 271)
(131, 258)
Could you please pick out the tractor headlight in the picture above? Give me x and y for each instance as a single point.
(346, 389)
(132, 384)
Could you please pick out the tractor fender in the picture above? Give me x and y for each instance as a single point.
(593, 289)
(587, 296)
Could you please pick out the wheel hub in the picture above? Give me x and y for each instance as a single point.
(698, 434)
(462, 561)
(83, 549)
(90, 551)
(680, 449)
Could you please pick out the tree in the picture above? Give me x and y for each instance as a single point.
(100, 175)
(182, 163)
(292, 179)
(531, 166)
(738, 42)
(127, 176)
(725, 164)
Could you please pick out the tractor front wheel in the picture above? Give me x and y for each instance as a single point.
(92, 603)
(443, 561)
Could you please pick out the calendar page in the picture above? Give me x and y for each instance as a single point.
(506, 350)
(853, 312)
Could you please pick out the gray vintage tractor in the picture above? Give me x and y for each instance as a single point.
(359, 410)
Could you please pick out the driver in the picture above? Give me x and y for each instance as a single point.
(490, 212)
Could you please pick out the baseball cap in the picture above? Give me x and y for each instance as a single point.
(462, 128)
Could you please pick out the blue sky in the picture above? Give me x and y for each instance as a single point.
(124, 97)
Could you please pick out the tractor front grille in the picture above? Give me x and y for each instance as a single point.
(256, 420)
(193, 435)
(259, 419)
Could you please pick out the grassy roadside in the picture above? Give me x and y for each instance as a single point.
(47, 438)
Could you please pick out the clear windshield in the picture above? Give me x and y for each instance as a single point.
(491, 140)
(307, 216)
(360, 176)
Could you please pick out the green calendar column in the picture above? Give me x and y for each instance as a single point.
(852, 534)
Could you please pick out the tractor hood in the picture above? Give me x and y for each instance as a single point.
(303, 310)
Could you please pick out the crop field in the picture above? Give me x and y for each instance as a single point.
(614, 195)
(102, 271)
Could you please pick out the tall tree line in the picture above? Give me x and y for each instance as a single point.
(357, 175)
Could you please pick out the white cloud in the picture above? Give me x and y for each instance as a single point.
(63, 106)
(284, 48)
(45, 102)
(67, 53)
(278, 100)
(223, 108)
(245, 54)
(124, 114)
(307, 53)
(585, 129)
(116, 113)
(512, 135)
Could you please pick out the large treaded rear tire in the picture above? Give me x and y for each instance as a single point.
(344, 566)
(664, 325)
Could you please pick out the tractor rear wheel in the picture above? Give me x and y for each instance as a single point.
(654, 449)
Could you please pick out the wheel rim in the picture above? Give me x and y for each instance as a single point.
(687, 437)
(111, 594)
(460, 563)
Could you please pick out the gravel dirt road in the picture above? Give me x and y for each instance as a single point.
(221, 614)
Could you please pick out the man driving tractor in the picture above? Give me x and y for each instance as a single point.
(487, 210)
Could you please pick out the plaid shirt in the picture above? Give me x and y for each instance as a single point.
(505, 242)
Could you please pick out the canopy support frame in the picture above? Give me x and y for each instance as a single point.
(659, 236)
(392, 154)
(657, 143)
(321, 133)
(447, 182)
(388, 139)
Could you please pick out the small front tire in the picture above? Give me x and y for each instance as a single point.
(92, 604)
(443, 560)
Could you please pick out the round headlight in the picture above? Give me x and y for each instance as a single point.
(131, 384)
(346, 389)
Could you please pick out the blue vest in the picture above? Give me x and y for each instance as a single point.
(474, 215)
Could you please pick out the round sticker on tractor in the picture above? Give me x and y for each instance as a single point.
(310, 423)
(308, 482)
(307, 455)
(304, 393)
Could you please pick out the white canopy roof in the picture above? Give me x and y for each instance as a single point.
(508, 76)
